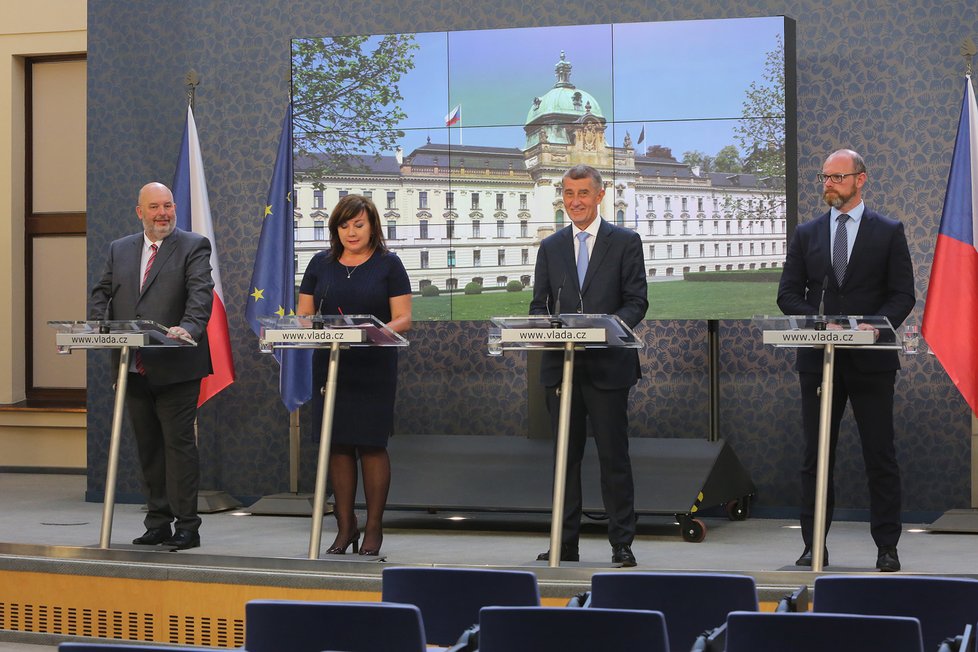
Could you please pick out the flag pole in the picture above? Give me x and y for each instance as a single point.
(272, 292)
(962, 520)
(209, 501)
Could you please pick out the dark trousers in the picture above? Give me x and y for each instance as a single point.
(871, 398)
(608, 413)
(162, 418)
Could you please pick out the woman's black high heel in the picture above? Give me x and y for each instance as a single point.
(372, 552)
(340, 548)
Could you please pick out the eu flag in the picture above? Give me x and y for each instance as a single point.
(272, 290)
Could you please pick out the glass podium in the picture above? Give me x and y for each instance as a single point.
(828, 332)
(124, 335)
(569, 333)
(333, 332)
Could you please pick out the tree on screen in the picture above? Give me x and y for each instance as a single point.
(697, 159)
(346, 99)
(728, 160)
(760, 131)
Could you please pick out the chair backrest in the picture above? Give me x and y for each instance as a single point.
(751, 631)
(126, 647)
(943, 605)
(541, 629)
(450, 598)
(691, 603)
(299, 626)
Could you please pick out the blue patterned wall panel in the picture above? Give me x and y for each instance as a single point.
(883, 78)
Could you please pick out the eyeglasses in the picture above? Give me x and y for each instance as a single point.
(836, 178)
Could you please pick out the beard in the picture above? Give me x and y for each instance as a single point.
(836, 199)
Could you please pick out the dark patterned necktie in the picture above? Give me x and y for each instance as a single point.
(840, 249)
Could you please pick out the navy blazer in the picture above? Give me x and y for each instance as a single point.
(615, 284)
(879, 281)
(179, 291)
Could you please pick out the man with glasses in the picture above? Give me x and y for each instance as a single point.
(850, 261)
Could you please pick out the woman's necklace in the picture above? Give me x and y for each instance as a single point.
(350, 270)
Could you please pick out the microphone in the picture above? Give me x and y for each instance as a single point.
(318, 325)
(103, 327)
(554, 318)
(820, 323)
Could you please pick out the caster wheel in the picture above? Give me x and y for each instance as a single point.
(694, 530)
(739, 510)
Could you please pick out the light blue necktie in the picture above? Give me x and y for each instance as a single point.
(582, 257)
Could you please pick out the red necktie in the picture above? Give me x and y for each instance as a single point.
(149, 266)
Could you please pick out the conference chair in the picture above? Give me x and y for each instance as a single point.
(541, 629)
(450, 598)
(963, 642)
(943, 605)
(691, 603)
(752, 631)
(299, 626)
(126, 647)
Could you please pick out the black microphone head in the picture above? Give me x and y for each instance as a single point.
(820, 323)
(554, 322)
(103, 328)
(317, 324)
(557, 299)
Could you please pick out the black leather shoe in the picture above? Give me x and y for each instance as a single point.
(888, 561)
(568, 552)
(621, 553)
(183, 540)
(806, 558)
(154, 536)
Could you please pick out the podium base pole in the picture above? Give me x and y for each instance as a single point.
(960, 521)
(209, 502)
(286, 504)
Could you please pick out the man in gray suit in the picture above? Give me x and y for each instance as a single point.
(593, 266)
(163, 275)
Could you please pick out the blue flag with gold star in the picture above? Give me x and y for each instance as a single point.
(272, 290)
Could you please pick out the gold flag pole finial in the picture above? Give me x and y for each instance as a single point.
(968, 51)
(192, 80)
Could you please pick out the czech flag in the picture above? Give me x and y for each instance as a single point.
(951, 313)
(194, 214)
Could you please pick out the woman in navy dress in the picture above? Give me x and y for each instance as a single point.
(358, 275)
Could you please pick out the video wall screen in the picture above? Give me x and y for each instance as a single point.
(461, 140)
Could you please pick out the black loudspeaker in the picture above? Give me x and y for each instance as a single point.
(677, 477)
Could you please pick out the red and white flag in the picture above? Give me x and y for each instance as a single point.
(951, 312)
(194, 214)
(454, 117)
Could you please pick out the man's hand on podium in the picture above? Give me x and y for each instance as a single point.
(870, 327)
(179, 333)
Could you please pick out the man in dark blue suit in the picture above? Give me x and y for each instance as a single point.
(859, 261)
(614, 283)
(163, 275)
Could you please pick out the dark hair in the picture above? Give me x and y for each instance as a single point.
(585, 172)
(348, 208)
